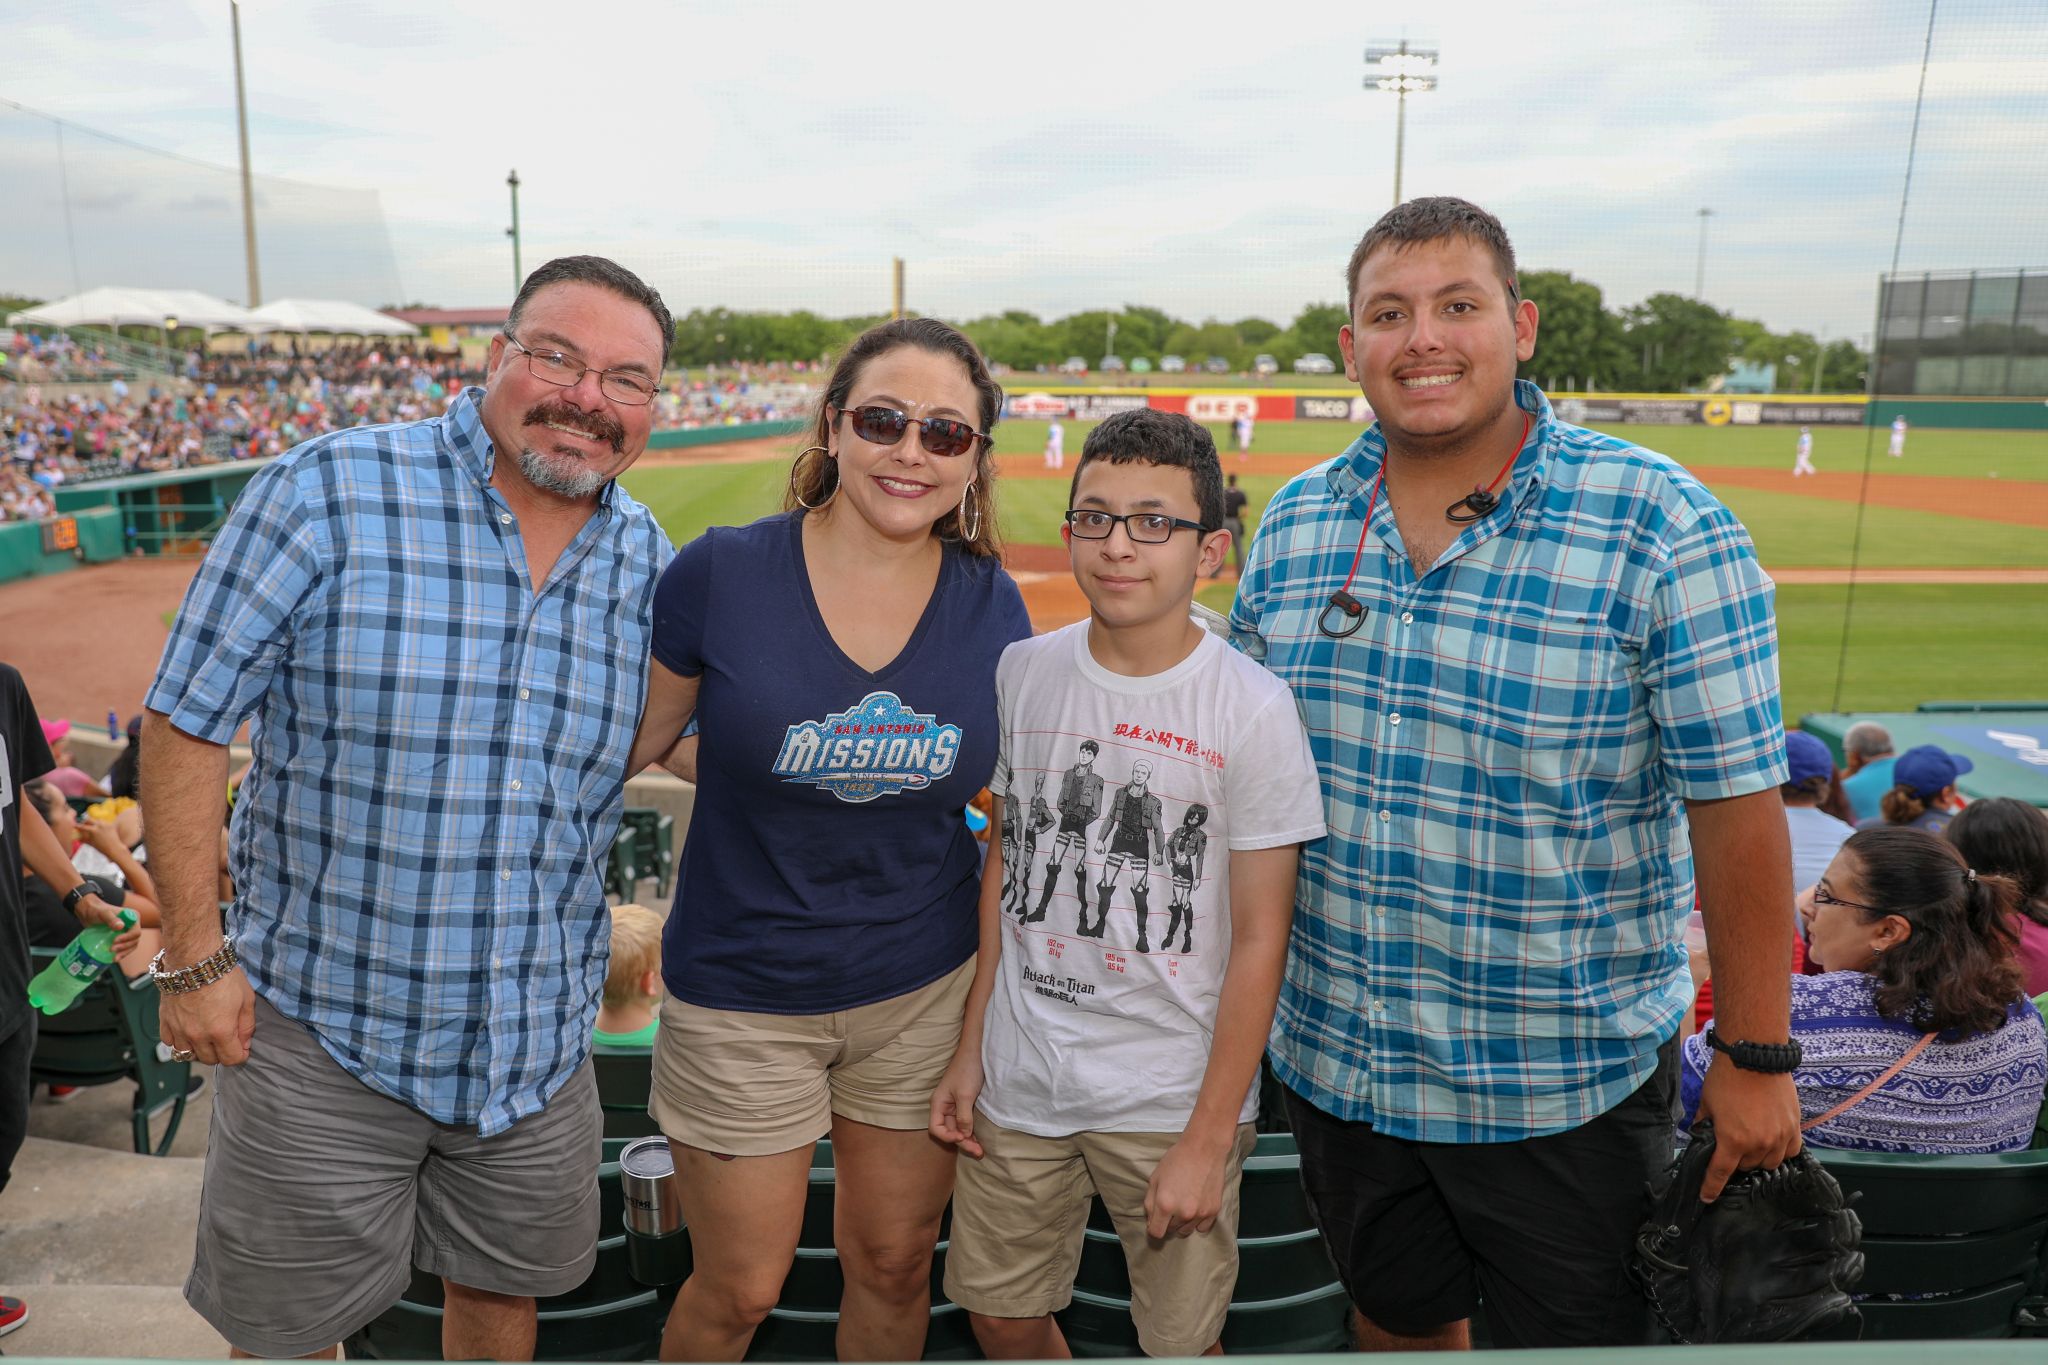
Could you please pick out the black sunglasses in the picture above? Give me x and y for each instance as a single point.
(885, 427)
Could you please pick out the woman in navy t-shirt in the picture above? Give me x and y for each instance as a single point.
(841, 660)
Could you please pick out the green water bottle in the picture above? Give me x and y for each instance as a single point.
(77, 967)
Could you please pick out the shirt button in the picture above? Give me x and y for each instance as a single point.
(1379, 911)
(1379, 1007)
(505, 517)
(524, 694)
(496, 963)
(515, 784)
(1385, 816)
(506, 875)
(1407, 618)
(1394, 719)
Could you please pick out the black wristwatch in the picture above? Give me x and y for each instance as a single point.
(79, 893)
(1772, 1058)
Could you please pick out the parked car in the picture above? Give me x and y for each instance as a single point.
(1216, 364)
(1315, 362)
(1172, 364)
(1140, 365)
(1112, 364)
(1265, 364)
(1073, 364)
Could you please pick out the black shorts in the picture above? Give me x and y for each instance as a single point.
(1533, 1233)
(1076, 825)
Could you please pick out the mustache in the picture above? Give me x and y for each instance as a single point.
(601, 425)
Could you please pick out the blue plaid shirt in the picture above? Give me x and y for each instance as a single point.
(1489, 943)
(440, 757)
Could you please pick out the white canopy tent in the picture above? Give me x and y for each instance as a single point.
(118, 307)
(333, 316)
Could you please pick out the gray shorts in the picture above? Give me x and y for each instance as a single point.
(321, 1195)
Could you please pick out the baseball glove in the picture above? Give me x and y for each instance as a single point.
(1773, 1259)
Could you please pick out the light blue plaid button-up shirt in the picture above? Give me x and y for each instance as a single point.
(1489, 943)
(440, 757)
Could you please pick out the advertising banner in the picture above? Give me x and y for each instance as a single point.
(1712, 411)
(1228, 407)
(1333, 408)
(1086, 407)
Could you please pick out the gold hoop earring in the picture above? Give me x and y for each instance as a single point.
(796, 490)
(967, 498)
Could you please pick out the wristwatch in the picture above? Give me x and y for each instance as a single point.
(1772, 1058)
(79, 893)
(199, 975)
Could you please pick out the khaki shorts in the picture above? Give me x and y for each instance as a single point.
(744, 1084)
(321, 1195)
(1019, 1215)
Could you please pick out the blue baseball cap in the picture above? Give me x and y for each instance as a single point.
(1927, 769)
(1807, 757)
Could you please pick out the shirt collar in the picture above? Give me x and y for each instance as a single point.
(462, 428)
(1351, 474)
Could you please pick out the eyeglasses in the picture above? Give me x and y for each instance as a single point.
(1822, 896)
(1146, 528)
(885, 427)
(621, 386)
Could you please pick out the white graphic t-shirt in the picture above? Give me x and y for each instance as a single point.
(1122, 800)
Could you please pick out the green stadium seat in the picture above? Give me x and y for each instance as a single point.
(109, 1034)
(624, 1076)
(654, 847)
(1954, 1246)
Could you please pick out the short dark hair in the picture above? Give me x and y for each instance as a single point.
(814, 477)
(1956, 972)
(2006, 836)
(1171, 440)
(1433, 219)
(1089, 746)
(605, 274)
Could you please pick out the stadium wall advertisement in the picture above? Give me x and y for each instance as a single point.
(1653, 409)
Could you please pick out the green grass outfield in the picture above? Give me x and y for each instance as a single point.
(1909, 642)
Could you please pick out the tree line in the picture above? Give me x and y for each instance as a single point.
(1667, 343)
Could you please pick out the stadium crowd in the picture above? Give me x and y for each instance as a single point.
(250, 406)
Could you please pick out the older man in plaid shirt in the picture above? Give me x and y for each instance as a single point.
(440, 629)
(1538, 669)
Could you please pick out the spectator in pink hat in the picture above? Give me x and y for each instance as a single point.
(66, 777)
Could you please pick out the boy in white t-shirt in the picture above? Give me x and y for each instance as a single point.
(1114, 1029)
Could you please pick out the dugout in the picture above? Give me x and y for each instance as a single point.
(2008, 741)
(176, 511)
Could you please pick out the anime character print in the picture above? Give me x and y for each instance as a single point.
(1134, 840)
(1080, 802)
(1184, 850)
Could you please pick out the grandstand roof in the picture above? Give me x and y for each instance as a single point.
(332, 316)
(121, 307)
(451, 317)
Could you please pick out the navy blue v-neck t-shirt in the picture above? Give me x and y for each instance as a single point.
(827, 864)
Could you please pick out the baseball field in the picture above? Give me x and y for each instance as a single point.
(1950, 599)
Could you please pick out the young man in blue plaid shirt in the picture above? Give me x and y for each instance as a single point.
(1538, 669)
(439, 633)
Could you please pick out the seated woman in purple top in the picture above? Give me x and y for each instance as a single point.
(1914, 944)
(840, 658)
(2010, 837)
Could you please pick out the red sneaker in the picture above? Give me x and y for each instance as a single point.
(60, 1093)
(13, 1313)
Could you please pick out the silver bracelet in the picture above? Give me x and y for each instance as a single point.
(199, 975)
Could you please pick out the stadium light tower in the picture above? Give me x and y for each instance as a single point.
(248, 193)
(1402, 69)
(518, 275)
(1699, 274)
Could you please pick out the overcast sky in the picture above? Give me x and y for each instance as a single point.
(1209, 160)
